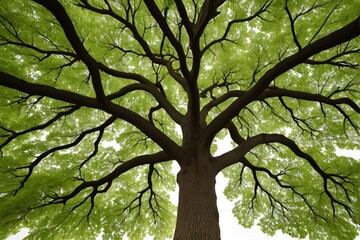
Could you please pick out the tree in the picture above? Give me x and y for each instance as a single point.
(99, 98)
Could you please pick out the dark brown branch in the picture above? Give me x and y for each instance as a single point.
(96, 147)
(40, 126)
(280, 92)
(140, 78)
(70, 56)
(137, 202)
(155, 58)
(292, 25)
(339, 63)
(126, 166)
(133, 118)
(45, 154)
(261, 10)
(325, 20)
(274, 92)
(237, 155)
(208, 11)
(185, 18)
(155, 92)
(13, 82)
(286, 186)
(300, 122)
(272, 199)
(344, 34)
(161, 99)
(60, 14)
(217, 101)
(47, 53)
(159, 18)
(86, 5)
(234, 133)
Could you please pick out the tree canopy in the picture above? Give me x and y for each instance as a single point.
(99, 98)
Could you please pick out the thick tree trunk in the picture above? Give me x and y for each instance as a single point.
(198, 217)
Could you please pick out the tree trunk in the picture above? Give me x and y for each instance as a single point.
(197, 217)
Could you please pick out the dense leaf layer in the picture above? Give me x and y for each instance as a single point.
(97, 98)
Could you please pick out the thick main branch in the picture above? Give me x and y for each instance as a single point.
(129, 116)
(344, 34)
(107, 179)
(63, 18)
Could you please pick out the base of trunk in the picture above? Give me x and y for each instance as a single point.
(198, 217)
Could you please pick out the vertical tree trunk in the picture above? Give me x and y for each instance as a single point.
(197, 217)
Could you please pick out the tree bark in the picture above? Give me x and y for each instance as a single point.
(198, 217)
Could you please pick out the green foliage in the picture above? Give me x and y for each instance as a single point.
(58, 145)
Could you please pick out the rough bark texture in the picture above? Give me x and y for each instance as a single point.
(198, 217)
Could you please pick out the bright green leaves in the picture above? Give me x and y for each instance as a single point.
(23, 209)
(118, 212)
(30, 35)
(77, 157)
(321, 24)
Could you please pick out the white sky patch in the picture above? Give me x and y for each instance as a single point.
(19, 58)
(287, 131)
(20, 235)
(348, 153)
(224, 145)
(44, 136)
(113, 144)
(208, 67)
(35, 74)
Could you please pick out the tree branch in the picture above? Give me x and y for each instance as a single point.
(344, 34)
(238, 155)
(133, 118)
(292, 25)
(159, 18)
(152, 199)
(339, 63)
(143, 43)
(86, 5)
(109, 178)
(234, 156)
(60, 14)
(40, 126)
(42, 156)
(272, 92)
(185, 18)
(13, 82)
(281, 92)
(208, 11)
(161, 99)
(258, 13)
